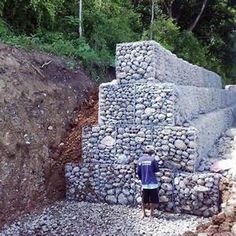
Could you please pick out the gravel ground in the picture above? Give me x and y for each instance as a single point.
(84, 219)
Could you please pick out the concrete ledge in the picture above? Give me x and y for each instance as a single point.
(149, 61)
(231, 87)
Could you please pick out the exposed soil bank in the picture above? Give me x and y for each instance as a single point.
(40, 98)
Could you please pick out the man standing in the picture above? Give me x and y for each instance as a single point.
(147, 166)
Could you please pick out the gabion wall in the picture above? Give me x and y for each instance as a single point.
(197, 193)
(176, 147)
(146, 104)
(102, 183)
(117, 184)
(181, 118)
(193, 102)
(148, 61)
(159, 104)
(210, 126)
(116, 104)
(98, 144)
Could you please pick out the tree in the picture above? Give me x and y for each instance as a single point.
(191, 28)
(29, 15)
(80, 17)
(152, 16)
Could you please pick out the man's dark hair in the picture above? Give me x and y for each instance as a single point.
(148, 150)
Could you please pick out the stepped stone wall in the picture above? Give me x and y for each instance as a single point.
(160, 100)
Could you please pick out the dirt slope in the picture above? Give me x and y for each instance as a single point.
(40, 98)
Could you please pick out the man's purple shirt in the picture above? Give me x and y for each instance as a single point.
(147, 166)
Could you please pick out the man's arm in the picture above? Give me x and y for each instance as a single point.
(139, 172)
(155, 165)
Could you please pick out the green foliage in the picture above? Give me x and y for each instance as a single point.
(29, 15)
(165, 32)
(46, 10)
(3, 28)
(191, 49)
(2, 4)
(107, 23)
(53, 42)
(183, 43)
(52, 26)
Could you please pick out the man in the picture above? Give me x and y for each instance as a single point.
(147, 166)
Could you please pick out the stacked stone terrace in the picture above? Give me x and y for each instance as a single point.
(160, 100)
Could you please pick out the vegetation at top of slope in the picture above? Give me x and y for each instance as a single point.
(202, 35)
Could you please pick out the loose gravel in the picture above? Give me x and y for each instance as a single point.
(87, 219)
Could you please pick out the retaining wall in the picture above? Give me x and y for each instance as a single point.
(175, 147)
(159, 104)
(160, 100)
(149, 61)
(196, 193)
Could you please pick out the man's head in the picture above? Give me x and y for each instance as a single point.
(148, 150)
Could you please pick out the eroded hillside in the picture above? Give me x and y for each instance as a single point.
(40, 98)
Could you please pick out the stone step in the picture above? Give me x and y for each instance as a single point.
(196, 193)
(175, 147)
(149, 61)
(158, 104)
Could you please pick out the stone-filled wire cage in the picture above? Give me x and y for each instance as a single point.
(159, 100)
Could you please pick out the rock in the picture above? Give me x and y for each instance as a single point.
(224, 227)
(189, 233)
(139, 139)
(167, 187)
(229, 211)
(50, 128)
(111, 199)
(140, 106)
(165, 148)
(218, 219)
(76, 169)
(233, 230)
(231, 132)
(163, 199)
(161, 117)
(180, 144)
(212, 229)
(108, 141)
(123, 159)
(139, 200)
(122, 199)
(192, 144)
(149, 111)
(201, 189)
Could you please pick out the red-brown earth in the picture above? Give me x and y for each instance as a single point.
(44, 103)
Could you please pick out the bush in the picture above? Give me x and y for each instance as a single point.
(184, 44)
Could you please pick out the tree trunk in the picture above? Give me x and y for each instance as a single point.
(168, 6)
(152, 18)
(80, 18)
(191, 28)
